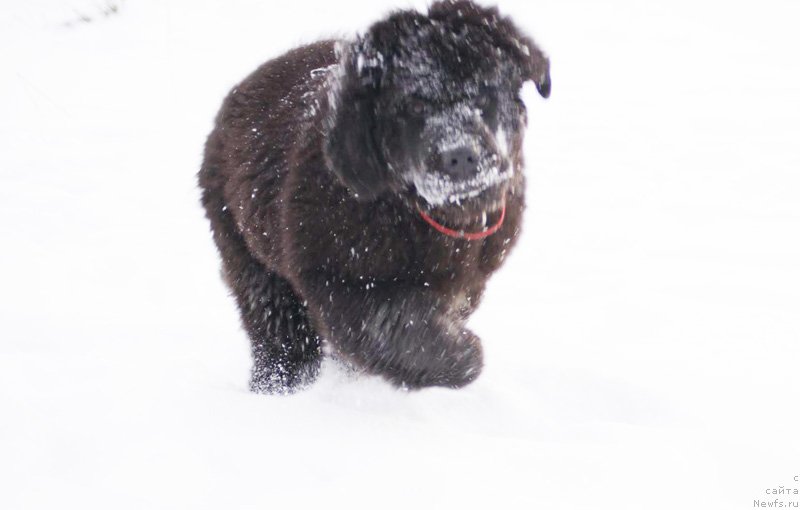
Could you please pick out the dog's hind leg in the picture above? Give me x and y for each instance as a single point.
(286, 350)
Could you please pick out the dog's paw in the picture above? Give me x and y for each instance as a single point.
(280, 377)
(451, 363)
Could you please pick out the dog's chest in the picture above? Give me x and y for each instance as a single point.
(446, 258)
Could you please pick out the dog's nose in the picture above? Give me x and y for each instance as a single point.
(460, 163)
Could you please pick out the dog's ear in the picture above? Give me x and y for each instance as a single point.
(532, 63)
(366, 62)
(351, 147)
(535, 65)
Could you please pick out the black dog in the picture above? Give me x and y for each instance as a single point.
(362, 192)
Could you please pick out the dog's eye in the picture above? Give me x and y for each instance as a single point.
(487, 105)
(487, 96)
(417, 107)
(486, 102)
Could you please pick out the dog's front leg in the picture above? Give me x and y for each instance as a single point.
(405, 333)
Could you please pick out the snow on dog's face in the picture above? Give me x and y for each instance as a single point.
(427, 106)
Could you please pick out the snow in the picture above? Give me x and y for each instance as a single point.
(438, 188)
(641, 342)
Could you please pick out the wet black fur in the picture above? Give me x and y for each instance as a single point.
(319, 235)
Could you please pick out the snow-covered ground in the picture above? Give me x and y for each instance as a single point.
(642, 343)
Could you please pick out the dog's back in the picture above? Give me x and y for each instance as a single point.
(246, 154)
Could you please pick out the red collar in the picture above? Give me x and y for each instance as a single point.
(460, 234)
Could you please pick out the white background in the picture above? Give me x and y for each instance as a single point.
(641, 343)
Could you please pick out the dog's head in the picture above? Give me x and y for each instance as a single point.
(428, 107)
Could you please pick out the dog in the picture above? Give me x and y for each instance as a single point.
(361, 192)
